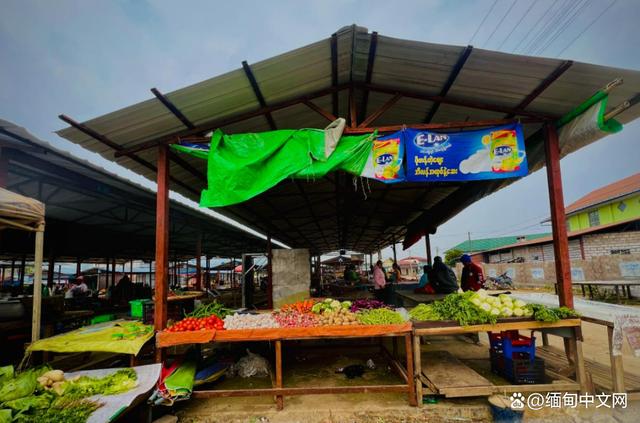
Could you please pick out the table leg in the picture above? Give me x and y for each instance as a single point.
(545, 338)
(617, 294)
(394, 340)
(279, 398)
(581, 373)
(410, 370)
(629, 291)
(584, 294)
(590, 292)
(418, 368)
(617, 370)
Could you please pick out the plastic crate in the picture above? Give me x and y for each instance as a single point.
(137, 307)
(519, 370)
(102, 318)
(511, 342)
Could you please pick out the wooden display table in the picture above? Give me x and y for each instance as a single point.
(278, 335)
(569, 329)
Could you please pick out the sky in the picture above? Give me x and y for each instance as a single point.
(86, 58)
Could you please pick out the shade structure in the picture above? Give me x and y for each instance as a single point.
(372, 80)
(26, 214)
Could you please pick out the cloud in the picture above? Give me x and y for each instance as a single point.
(477, 162)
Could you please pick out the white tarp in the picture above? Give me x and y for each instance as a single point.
(625, 319)
(114, 405)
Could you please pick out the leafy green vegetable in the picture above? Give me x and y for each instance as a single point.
(23, 385)
(5, 416)
(85, 386)
(76, 411)
(214, 308)
(6, 372)
(424, 312)
(379, 316)
(550, 315)
(460, 307)
(32, 402)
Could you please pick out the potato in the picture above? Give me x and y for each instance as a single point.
(43, 380)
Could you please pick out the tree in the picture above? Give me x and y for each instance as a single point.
(452, 256)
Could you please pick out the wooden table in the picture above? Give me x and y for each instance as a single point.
(278, 335)
(623, 284)
(569, 329)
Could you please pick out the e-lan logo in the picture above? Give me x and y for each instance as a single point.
(503, 150)
(384, 159)
(430, 143)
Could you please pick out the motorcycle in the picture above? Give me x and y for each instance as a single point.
(499, 282)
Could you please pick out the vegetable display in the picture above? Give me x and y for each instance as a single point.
(295, 319)
(424, 312)
(338, 317)
(550, 315)
(331, 305)
(460, 307)
(250, 321)
(195, 323)
(366, 304)
(212, 309)
(44, 395)
(304, 306)
(379, 316)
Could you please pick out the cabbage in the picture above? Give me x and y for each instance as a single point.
(485, 307)
(476, 301)
(506, 312)
(481, 293)
(495, 311)
(518, 312)
(528, 312)
(335, 305)
(519, 303)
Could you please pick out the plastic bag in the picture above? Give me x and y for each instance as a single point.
(252, 365)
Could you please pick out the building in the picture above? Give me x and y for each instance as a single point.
(411, 267)
(604, 240)
(476, 248)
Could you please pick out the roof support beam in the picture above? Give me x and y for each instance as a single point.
(449, 125)
(258, 93)
(557, 73)
(334, 73)
(172, 108)
(375, 115)
(106, 141)
(353, 116)
(457, 101)
(202, 128)
(322, 112)
(373, 46)
(447, 85)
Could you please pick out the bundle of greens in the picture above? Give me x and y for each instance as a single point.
(379, 316)
(85, 386)
(550, 315)
(212, 309)
(459, 307)
(424, 312)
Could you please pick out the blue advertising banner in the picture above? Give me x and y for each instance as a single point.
(491, 153)
(385, 160)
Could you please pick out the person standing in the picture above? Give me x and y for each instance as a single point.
(472, 276)
(379, 281)
(442, 278)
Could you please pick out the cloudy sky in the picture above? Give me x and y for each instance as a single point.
(87, 57)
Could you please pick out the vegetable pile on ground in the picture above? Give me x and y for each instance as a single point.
(473, 308)
(366, 304)
(300, 306)
(43, 395)
(250, 321)
(331, 305)
(379, 316)
(295, 319)
(194, 323)
(341, 316)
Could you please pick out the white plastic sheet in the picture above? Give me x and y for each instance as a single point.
(625, 319)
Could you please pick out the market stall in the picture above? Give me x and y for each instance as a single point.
(26, 214)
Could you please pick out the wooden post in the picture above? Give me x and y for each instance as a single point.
(617, 371)
(23, 265)
(50, 271)
(408, 350)
(395, 257)
(13, 266)
(207, 276)
(113, 272)
(150, 273)
(131, 271)
(417, 362)
(162, 243)
(37, 284)
(199, 263)
(269, 274)
(78, 267)
(558, 218)
(106, 277)
(279, 398)
(427, 244)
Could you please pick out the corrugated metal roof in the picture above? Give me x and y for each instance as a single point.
(488, 244)
(94, 214)
(418, 70)
(607, 193)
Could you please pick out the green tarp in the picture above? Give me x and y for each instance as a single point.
(244, 165)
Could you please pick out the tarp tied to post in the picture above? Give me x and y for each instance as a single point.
(244, 165)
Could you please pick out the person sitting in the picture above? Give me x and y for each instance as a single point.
(472, 276)
(442, 278)
(424, 287)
